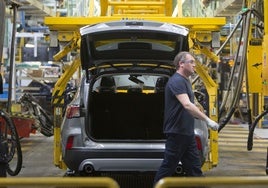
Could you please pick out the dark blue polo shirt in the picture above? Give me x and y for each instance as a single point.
(176, 119)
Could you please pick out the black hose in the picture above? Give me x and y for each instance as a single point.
(252, 128)
(223, 104)
(226, 119)
(245, 31)
(229, 36)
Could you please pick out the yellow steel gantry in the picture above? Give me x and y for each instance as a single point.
(66, 28)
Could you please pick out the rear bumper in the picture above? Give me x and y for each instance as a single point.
(122, 164)
(113, 160)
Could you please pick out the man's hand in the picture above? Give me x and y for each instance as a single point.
(212, 124)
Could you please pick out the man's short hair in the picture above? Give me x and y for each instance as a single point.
(180, 57)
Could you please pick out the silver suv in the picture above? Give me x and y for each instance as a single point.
(114, 124)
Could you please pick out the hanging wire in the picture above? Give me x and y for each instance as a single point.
(235, 99)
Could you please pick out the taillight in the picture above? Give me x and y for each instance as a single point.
(198, 143)
(72, 112)
(70, 142)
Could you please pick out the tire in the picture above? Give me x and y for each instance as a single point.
(14, 154)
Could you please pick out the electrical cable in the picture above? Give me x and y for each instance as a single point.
(252, 128)
(245, 51)
(230, 36)
(245, 30)
(226, 95)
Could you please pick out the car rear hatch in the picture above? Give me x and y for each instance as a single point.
(122, 42)
(125, 46)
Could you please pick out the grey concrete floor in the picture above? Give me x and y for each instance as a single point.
(234, 158)
(38, 157)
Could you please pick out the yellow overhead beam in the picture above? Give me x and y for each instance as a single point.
(75, 23)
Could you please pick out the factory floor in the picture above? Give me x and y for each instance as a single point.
(234, 158)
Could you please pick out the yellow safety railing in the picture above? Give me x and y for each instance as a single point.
(211, 182)
(60, 182)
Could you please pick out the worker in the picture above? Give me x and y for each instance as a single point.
(179, 115)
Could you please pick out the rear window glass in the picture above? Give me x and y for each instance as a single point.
(123, 82)
(145, 44)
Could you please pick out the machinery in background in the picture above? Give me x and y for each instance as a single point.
(43, 118)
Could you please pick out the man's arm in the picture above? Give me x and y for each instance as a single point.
(194, 110)
(190, 107)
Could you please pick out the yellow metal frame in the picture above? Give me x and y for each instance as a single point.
(73, 43)
(75, 23)
(211, 87)
(160, 10)
(58, 102)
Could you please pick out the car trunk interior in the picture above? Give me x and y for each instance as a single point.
(126, 116)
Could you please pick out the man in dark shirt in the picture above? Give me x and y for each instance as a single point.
(180, 112)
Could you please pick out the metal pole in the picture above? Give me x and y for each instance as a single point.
(2, 27)
(12, 55)
(3, 144)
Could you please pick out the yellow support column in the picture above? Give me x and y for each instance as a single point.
(104, 7)
(169, 8)
(211, 87)
(265, 51)
(264, 56)
(58, 102)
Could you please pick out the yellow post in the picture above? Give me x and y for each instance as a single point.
(58, 102)
(211, 87)
(264, 56)
(265, 51)
(168, 7)
(104, 7)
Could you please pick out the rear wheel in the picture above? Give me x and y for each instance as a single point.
(10, 137)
